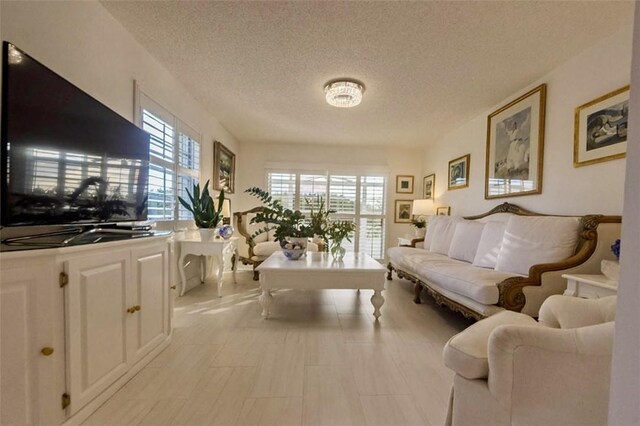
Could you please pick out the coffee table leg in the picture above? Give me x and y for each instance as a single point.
(265, 301)
(377, 300)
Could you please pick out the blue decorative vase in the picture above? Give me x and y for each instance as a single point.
(225, 231)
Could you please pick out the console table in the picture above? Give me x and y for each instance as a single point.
(219, 249)
(318, 270)
(590, 286)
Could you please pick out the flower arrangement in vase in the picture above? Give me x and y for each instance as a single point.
(338, 231)
(202, 207)
(319, 220)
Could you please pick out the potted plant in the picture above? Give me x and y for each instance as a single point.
(202, 207)
(319, 220)
(420, 225)
(338, 231)
(290, 227)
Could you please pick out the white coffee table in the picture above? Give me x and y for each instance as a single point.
(319, 271)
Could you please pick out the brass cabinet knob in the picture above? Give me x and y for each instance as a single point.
(46, 351)
(137, 307)
(173, 287)
(132, 310)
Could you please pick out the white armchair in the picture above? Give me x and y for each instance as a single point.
(511, 369)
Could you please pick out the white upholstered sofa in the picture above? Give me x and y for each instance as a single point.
(512, 370)
(508, 258)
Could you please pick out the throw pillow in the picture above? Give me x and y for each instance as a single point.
(466, 238)
(533, 240)
(489, 245)
(443, 234)
(432, 221)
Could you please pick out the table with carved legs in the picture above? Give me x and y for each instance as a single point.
(218, 249)
(320, 271)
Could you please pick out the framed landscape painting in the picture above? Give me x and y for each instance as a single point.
(403, 211)
(459, 172)
(601, 129)
(429, 186)
(443, 211)
(515, 146)
(224, 168)
(404, 184)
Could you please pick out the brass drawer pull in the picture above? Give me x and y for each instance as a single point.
(173, 287)
(46, 351)
(133, 309)
(137, 307)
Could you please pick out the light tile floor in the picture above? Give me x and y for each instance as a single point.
(320, 360)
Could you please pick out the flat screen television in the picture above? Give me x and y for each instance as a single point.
(66, 158)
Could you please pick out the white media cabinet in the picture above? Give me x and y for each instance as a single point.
(77, 323)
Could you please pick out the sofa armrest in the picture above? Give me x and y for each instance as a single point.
(466, 352)
(572, 312)
(532, 367)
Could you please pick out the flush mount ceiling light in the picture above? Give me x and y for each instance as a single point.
(343, 93)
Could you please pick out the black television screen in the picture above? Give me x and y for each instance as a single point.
(66, 158)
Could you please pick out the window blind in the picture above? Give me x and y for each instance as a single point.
(282, 186)
(342, 194)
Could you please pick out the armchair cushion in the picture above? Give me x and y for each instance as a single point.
(466, 352)
(571, 312)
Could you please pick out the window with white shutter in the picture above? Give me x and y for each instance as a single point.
(355, 197)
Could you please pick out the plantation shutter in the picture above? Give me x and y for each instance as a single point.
(342, 194)
(282, 186)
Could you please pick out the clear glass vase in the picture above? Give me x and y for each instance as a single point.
(337, 251)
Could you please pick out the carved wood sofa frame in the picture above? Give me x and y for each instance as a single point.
(241, 226)
(511, 296)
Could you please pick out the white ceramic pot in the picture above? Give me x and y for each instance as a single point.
(610, 269)
(207, 234)
(420, 232)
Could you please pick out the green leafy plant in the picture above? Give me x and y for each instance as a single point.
(340, 229)
(202, 207)
(288, 223)
(319, 218)
(419, 222)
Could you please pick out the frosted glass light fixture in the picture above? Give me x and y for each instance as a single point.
(343, 93)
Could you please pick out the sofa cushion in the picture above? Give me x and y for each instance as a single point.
(466, 352)
(462, 278)
(409, 258)
(489, 245)
(533, 240)
(443, 234)
(466, 238)
(266, 248)
(432, 221)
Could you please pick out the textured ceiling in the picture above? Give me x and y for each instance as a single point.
(428, 67)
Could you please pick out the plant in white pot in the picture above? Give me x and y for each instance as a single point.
(420, 225)
(205, 214)
(338, 231)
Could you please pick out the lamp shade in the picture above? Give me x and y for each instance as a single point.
(226, 208)
(422, 207)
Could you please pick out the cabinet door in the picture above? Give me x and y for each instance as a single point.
(149, 289)
(96, 323)
(32, 382)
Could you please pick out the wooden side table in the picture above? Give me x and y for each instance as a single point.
(590, 286)
(408, 241)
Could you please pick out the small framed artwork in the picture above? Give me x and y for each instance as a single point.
(515, 147)
(429, 186)
(404, 184)
(224, 168)
(403, 211)
(459, 172)
(443, 211)
(601, 129)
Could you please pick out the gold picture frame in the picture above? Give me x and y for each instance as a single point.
(459, 172)
(404, 184)
(224, 168)
(403, 211)
(600, 130)
(429, 187)
(515, 146)
(443, 211)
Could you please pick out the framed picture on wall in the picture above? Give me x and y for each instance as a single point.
(443, 211)
(429, 186)
(403, 211)
(224, 168)
(515, 146)
(600, 132)
(459, 172)
(404, 184)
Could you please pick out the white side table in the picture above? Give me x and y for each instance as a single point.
(590, 286)
(220, 250)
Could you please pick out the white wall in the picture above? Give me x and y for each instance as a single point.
(83, 43)
(566, 190)
(625, 379)
(394, 161)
